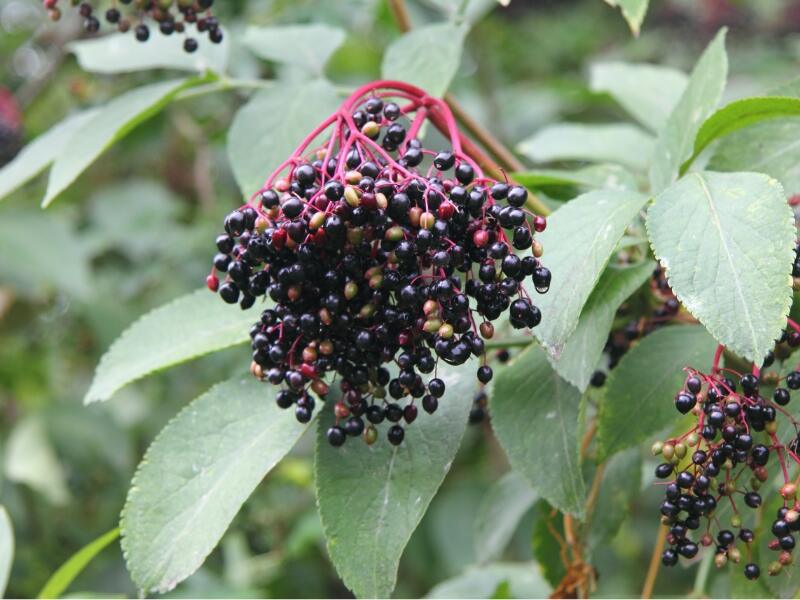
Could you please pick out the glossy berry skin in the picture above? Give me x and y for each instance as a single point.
(370, 258)
(395, 435)
(751, 571)
(336, 436)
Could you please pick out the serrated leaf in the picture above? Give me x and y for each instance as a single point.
(616, 143)
(578, 242)
(123, 53)
(535, 416)
(738, 115)
(36, 156)
(410, 59)
(648, 92)
(308, 47)
(727, 243)
(500, 512)
(31, 459)
(66, 573)
(523, 579)
(191, 326)
(619, 487)
(271, 125)
(196, 475)
(698, 101)
(584, 347)
(371, 498)
(601, 176)
(634, 12)
(107, 126)
(6, 548)
(639, 393)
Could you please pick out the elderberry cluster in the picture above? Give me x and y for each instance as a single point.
(377, 252)
(723, 460)
(171, 16)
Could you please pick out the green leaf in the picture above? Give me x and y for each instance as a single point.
(196, 475)
(545, 547)
(601, 176)
(584, 347)
(648, 92)
(616, 143)
(639, 394)
(619, 487)
(123, 53)
(500, 512)
(523, 579)
(738, 115)
(535, 415)
(66, 573)
(410, 58)
(31, 459)
(6, 548)
(770, 147)
(578, 242)
(371, 498)
(727, 243)
(267, 129)
(191, 326)
(699, 99)
(308, 47)
(767, 147)
(36, 156)
(110, 124)
(33, 269)
(634, 12)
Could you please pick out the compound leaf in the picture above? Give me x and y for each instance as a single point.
(535, 415)
(191, 326)
(371, 498)
(196, 475)
(727, 242)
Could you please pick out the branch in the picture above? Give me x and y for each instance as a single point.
(655, 563)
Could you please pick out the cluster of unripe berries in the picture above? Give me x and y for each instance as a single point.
(170, 16)
(380, 258)
(723, 460)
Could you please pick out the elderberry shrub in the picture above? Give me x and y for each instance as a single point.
(169, 16)
(724, 459)
(377, 251)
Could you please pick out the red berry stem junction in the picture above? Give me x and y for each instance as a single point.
(723, 460)
(377, 252)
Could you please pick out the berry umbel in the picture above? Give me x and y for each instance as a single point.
(724, 461)
(181, 17)
(375, 251)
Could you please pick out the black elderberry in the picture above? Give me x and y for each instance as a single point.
(430, 404)
(751, 571)
(685, 402)
(781, 396)
(436, 387)
(752, 499)
(597, 379)
(669, 558)
(396, 434)
(793, 380)
(142, 32)
(664, 470)
(336, 436)
(693, 384)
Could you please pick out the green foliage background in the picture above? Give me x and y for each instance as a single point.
(135, 231)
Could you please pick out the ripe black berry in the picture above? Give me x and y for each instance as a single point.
(396, 434)
(336, 436)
